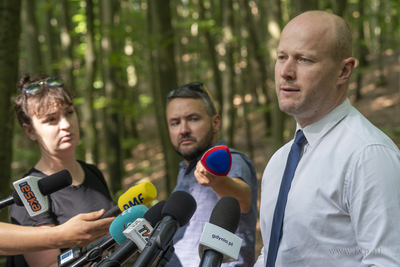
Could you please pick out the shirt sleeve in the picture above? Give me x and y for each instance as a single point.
(240, 169)
(373, 201)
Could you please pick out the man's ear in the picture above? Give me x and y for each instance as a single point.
(346, 69)
(30, 132)
(216, 120)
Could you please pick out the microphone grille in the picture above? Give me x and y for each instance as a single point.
(181, 206)
(154, 215)
(226, 214)
(54, 182)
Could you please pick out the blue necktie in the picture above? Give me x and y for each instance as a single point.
(276, 230)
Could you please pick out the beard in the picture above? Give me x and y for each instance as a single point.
(196, 151)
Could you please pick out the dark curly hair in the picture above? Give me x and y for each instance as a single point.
(38, 103)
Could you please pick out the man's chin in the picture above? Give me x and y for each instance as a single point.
(189, 155)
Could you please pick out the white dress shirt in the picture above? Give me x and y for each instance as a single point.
(343, 206)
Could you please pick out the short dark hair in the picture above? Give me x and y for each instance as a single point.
(195, 90)
(28, 104)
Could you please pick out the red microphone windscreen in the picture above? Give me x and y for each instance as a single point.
(217, 160)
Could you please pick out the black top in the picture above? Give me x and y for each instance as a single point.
(91, 195)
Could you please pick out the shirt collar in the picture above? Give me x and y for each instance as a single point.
(193, 162)
(318, 129)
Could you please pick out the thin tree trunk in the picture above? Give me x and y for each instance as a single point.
(217, 76)
(66, 46)
(227, 72)
(339, 7)
(91, 154)
(10, 29)
(274, 18)
(51, 65)
(167, 78)
(112, 122)
(300, 6)
(30, 33)
(362, 50)
(255, 46)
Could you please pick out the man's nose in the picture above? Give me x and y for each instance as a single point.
(184, 128)
(288, 70)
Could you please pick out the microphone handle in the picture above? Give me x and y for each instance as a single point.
(113, 212)
(94, 254)
(6, 202)
(121, 255)
(211, 258)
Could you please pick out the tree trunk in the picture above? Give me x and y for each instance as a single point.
(167, 78)
(9, 36)
(300, 6)
(227, 72)
(51, 64)
(30, 34)
(91, 155)
(254, 44)
(274, 18)
(339, 7)
(66, 47)
(361, 49)
(112, 122)
(217, 77)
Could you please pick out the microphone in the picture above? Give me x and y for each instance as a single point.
(218, 243)
(31, 191)
(141, 194)
(120, 223)
(138, 234)
(176, 212)
(217, 160)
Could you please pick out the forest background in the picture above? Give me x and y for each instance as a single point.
(122, 57)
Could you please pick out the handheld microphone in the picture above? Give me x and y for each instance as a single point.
(141, 194)
(217, 160)
(31, 191)
(120, 223)
(138, 234)
(176, 212)
(218, 243)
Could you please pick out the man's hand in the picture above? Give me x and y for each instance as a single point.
(225, 186)
(81, 230)
(206, 178)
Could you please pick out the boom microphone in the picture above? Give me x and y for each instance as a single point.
(141, 194)
(138, 235)
(31, 191)
(217, 160)
(218, 243)
(176, 212)
(120, 223)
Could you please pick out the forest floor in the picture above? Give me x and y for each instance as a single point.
(380, 103)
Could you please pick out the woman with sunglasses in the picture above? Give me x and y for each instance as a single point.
(46, 113)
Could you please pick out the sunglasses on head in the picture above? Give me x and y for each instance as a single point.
(38, 86)
(197, 86)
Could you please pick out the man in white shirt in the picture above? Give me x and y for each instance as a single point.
(343, 205)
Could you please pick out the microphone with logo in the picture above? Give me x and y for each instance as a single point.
(141, 194)
(137, 234)
(118, 225)
(218, 243)
(217, 160)
(176, 212)
(32, 192)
